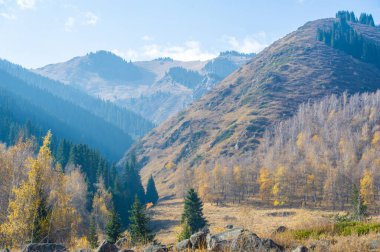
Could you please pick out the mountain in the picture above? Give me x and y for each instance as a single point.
(38, 104)
(229, 121)
(155, 89)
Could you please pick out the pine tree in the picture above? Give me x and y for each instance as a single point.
(138, 227)
(193, 212)
(113, 228)
(92, 234)
(151, 192)
(359, 208)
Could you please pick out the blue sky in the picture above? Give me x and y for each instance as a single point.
(38, 32)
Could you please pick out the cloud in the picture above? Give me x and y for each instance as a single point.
(8, 16)
(190, 50)
(147, 38)
(69, 24)
(254, 43)
(26, 4)
(90, 18)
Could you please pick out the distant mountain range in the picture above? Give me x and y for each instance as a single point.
(154, 89)
(230, 120)
(31, 102)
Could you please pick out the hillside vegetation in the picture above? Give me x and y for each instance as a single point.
(230, 121)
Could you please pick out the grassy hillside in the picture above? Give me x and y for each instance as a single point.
(230, 120)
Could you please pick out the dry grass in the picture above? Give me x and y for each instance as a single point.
(166, 217)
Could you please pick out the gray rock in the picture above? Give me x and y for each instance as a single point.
(121, 242)
(248, 241)
(300, 249)
(156, 248)
(222, 241)
(374, 245)
(280, 229)
(184, 245)
(198, 240)
(229, 226)
(44, 247)
(107, 247)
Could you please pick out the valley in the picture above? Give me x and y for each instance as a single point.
(272, 148)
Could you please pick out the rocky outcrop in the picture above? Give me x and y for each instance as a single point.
(156, 248)
(107, 247)
(300, 249)
(44, 247)
(240, 240)
(184, 245)
(198, 240)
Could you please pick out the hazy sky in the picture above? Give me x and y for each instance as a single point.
(39, 32)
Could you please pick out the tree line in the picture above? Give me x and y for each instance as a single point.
(316, 159)
(346, 38)
(42, 201)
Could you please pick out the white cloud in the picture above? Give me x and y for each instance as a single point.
(254, 43)
(190, 50)
(8, 16)
(26, 4)
(147, 38)
(90, 18)
(69, 24)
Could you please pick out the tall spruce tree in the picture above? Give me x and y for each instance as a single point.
(139, 220)
(193, 212)
(151, 191)
(92, 234)
(126, 188)
(113, 228)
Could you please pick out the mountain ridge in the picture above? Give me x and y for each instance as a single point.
(230, 120)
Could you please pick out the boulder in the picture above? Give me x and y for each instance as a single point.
(280, 229)
(300, 249)
(222, 241)
(107, 247)
(156, 248)
(374, 245)
(248, 241)
(184, 245)
(122, 242)
(229, 226)
(44, 247)
(198, 240)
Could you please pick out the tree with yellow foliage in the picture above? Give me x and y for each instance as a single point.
(280, 187)
(29, 215)
(101, 205)
(367, 187)
(265, 182)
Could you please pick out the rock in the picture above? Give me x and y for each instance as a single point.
(280, 229)
(156, 248)
(122, 242)
(198, 240)
(222, 241)
(248, 241)
(300, 249)
(44, 247)
(4, 250)
(229, 226)
(184, 245)
(374, 245)
(107, 247)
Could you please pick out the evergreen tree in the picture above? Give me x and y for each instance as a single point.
(113, 228)
(126, 188)
(139, 220)
(193, 212)
(92, 234)
(359, 208)
(151, 192)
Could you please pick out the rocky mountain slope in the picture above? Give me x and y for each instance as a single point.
(155, 89)
(230, 120)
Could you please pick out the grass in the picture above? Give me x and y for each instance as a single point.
(307, 227)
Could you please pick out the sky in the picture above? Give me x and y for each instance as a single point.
(35, 33)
